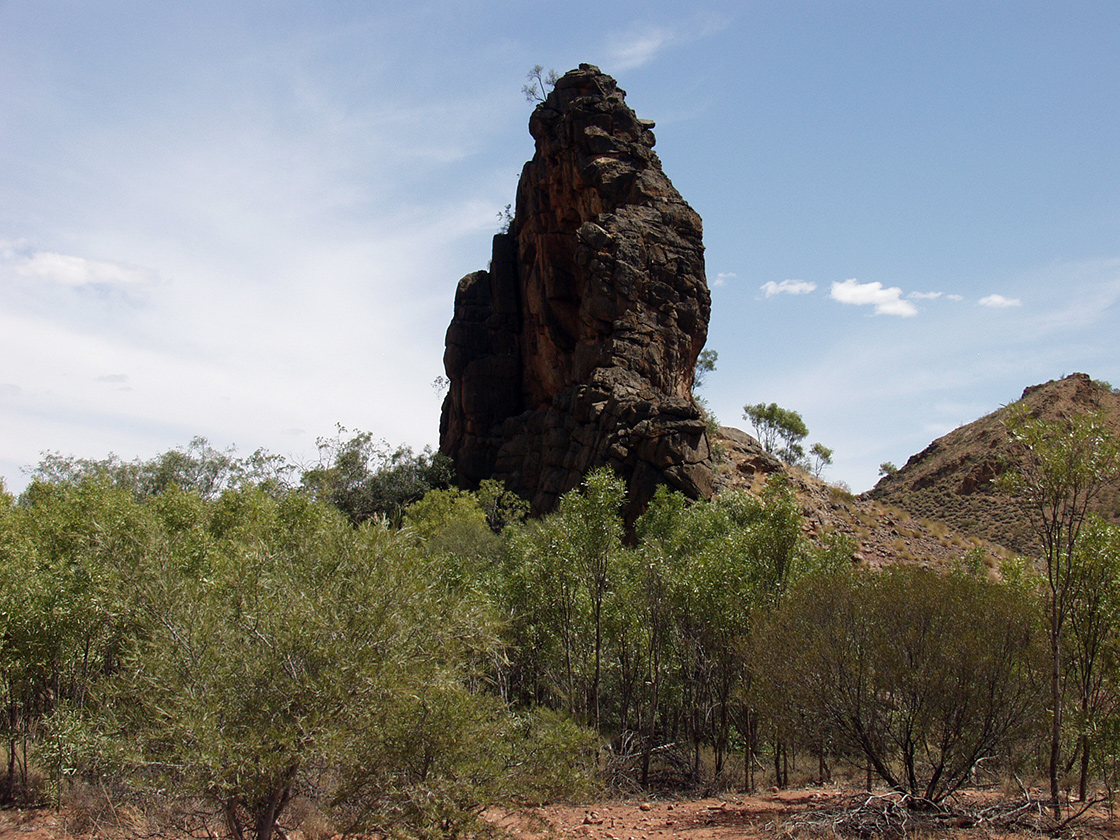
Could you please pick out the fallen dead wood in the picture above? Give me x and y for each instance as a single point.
(894, 815)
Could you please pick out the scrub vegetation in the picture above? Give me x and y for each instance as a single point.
(247, 643)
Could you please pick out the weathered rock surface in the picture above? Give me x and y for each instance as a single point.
(577, 348)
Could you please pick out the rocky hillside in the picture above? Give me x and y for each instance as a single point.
(951, 480)
(879, 532)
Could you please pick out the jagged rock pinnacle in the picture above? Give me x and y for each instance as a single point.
(577, 348)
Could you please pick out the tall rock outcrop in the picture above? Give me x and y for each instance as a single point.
(577, 348)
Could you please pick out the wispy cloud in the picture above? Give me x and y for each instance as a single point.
(1000, 302)
(924, 295)
(788, 287)
(723, 277)
(78, 271)
(1076, 296)
(887, 301)
(640, 45)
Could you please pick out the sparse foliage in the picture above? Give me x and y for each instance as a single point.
(892, 664)
(780, 430)
(365, 478)
(197, 467)
(1094, 641)
(820, 457)
(1060, 469)
(538, 83)
(705, 364)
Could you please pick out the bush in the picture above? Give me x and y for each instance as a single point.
(921, 673)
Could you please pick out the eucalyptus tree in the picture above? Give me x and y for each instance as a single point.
(563, 576)
(727, 561)
(923, 674)
(1060, 469)
(780, 430)
(23, 624)
(1094, 637)
(198, 467)
(286, 637)
(366, 478)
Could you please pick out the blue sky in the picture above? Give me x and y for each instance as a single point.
(246, 220)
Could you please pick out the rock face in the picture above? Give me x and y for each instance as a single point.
(577, 348)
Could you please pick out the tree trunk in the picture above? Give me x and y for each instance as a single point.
(1056, 706)
(598, 654)
(781, 766)
(748, 754)
(822, 765)
(1083, 784)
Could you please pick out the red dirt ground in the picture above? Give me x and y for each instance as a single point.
(784, 814)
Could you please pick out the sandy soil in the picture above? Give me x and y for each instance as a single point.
(794, 813)
(778, 814)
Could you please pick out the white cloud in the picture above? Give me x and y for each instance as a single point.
(640, 45)
(723, 277)
(954, 297)
(999, 302)
(886, 301)
(924, 295)
(788, 287)
(637, 48)
(78, 271)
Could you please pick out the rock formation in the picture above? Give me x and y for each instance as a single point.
(577, 348)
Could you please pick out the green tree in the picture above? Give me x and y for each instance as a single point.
(452, 529)
(502, 507)
(197, 467)
(780, 430)
(70, 611)
(561, 588)
(727, 562)
(1094, 626)
(891, 663)
(366, 478)
(705, 364)
(546, 613)
(593, 521)
(1059, 471)
(820, 458)
(24, 627)
(651, 578)
(294, 638)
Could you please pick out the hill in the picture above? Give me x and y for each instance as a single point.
(880, 532)
(952, 479)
